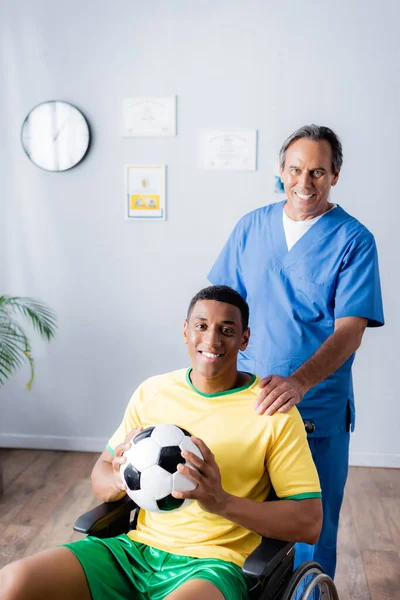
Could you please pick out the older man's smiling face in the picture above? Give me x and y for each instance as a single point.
(307, 177)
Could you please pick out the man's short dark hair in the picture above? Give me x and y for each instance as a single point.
(315, 133)
(222, 293)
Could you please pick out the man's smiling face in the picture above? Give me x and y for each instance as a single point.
(214, 335)
(307, 177)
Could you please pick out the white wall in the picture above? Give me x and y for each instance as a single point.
(121, 288)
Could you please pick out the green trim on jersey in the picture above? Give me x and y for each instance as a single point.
(233, 391)
(111, 450)
(304, 496)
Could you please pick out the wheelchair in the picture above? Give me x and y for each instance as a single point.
(270, 564)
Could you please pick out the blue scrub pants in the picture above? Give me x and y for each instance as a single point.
(331, 457)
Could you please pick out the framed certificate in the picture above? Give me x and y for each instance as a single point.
(149, 116)
(145, 192)
(228, 150)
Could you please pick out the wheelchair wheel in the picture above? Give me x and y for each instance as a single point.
(309, 582)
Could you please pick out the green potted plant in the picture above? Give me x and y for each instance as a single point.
(15, 348)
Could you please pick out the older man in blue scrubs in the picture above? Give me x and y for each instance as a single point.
(309, 272)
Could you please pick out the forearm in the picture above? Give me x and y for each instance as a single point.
(289, 520)
(331, 355)
(103, 482)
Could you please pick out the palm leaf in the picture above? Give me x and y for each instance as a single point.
(41, 317)
(13, 348)
(14, 345)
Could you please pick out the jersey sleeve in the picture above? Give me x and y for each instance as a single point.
(227, 268)
(289, 461)
(358, 288)
(130, 421)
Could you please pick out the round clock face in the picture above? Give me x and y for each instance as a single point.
(55, 136)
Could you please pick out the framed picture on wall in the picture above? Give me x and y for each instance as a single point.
(143, 117)
(228, 150)
(145, 195)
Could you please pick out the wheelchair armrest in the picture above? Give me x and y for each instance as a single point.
(104, 515)
(266, 557)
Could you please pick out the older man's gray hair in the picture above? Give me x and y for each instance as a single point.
(315, 133)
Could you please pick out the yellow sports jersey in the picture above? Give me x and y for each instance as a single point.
(252, 451)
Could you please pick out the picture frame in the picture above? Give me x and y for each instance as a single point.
(149, 117)
(145, 192)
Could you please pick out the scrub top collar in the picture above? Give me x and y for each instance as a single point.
(288, 257)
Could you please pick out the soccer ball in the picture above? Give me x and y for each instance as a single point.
(150, 471)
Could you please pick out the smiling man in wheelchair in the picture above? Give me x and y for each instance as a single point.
(197, 552)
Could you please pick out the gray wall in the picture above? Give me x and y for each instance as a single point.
(121, 288)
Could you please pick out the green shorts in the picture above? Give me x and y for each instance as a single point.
(119, 568)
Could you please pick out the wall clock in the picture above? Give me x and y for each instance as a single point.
(55, 135)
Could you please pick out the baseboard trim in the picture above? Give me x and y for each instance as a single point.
(81, 444)
(52, 442)
(374, 459)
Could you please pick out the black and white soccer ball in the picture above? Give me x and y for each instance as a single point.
(150, 471)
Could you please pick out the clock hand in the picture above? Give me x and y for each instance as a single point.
(61, 128)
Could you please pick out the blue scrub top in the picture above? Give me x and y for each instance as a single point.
(295, 296)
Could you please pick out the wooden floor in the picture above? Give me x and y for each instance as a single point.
(44, 491)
